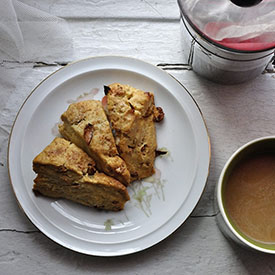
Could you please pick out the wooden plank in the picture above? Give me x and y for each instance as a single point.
(155, 42)
(197, 247)
(234, 114)
(16, 82)
(140, 9)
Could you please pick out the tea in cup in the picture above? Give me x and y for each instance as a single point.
(245, 195)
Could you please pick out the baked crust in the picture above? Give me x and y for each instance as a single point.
(132, 113)
(65, 171)
(85, 124)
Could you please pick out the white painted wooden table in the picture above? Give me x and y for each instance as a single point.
(147, 30)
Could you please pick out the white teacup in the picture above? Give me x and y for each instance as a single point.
(227, 225)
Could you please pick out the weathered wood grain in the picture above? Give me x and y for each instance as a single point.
(155, 42)
(109, 8)
(234, 115)
(16, 83)
(197, 247)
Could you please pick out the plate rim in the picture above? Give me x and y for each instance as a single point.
(111, 253)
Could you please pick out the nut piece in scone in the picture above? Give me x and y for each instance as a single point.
(65, 171)
(132, 114)
(85, 124)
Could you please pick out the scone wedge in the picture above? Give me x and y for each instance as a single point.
(65, 171)
(85, 124)
(132, 114)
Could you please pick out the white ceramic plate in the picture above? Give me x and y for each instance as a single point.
(158, 206)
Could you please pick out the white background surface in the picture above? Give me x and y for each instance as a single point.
(147, 30)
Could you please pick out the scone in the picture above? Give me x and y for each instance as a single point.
(132, 114)
(85, 124)
(65, 171)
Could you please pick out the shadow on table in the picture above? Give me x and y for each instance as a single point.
(254, 262)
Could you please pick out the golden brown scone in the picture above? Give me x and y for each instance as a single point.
(86, 125)
(132, 113)
(63, 160)
(65, 171)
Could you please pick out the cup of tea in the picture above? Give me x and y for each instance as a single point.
(245, 196)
